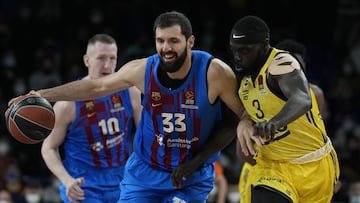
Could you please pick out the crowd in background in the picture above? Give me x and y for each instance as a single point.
(42, 43)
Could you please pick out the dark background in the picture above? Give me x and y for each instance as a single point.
(42, 43)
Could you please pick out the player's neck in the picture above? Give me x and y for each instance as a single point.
(176, 79)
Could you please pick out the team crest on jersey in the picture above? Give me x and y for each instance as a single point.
(155, 96)
(189, 102)
(116, 102)
(90, 105)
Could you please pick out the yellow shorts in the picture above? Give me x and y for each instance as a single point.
(244, 183)
(302, 183)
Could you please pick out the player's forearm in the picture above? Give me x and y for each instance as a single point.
(73, 91)
(295, 88)
(221, 137)
(294, 108)
(53, 162)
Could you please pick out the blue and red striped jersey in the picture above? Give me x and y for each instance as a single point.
(175, 123)
(101, 133)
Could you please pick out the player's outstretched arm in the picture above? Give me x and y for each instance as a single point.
(130, 74)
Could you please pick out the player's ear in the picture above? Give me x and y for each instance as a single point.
(191, 41)
(86, 60)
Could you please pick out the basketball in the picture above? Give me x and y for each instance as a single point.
(30, 119)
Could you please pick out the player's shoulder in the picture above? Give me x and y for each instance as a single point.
(317, 90)
(64, 106)
(218, 66)
(141, 62)
(283, 62)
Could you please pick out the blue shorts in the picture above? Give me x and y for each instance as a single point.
(142, 183)
(101, 184)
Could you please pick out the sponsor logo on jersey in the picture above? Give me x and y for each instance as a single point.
(189, 102)
(117, 105)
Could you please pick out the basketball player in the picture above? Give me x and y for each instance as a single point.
(298, 50)
(95, 134)
(295, 161)
(175, 143)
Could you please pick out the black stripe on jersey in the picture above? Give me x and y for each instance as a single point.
(285, 134)
(286, 63)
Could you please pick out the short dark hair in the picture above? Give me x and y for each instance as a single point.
(250, 30)
(292, 46)
(104, 38)
(171, 18)
(295, 48)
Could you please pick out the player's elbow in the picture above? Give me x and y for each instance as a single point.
(304, 102)
(307, 103)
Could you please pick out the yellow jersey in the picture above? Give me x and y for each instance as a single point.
(300, 137)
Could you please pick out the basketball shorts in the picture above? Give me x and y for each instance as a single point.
(308, 182)
(101, 184)
(145, 184)
(244, 183)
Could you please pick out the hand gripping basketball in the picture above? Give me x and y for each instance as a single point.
(30, 118)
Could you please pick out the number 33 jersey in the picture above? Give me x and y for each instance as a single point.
(175, 123)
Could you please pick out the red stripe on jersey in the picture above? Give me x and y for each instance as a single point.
(167, 100)
(183, 135)
(154, 111)
(91, 141)
(197, 124)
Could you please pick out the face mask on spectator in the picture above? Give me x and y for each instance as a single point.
(32, 198)
(355, 199)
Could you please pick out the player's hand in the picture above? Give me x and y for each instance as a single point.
(7, 112)
(74, 191)
(183, 172)
(32, 92)
(240, 154)
(247, 138)
(265, 130)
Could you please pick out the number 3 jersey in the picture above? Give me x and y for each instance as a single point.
(101, 133)
(175, 123)
(302, 136)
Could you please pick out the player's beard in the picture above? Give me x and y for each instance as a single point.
(173, 66)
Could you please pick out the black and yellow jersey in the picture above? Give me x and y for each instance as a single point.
(302, 136)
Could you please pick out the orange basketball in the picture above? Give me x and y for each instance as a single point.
(30, 119)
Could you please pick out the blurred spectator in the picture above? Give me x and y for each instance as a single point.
(6, 160)
(354, 192)
(347, 19)
(351, 63)
(220, 190)
(5, 196)
(9, 59)
(47, 74)
(19, 86)
(13, 181)
(33, 191)
(51, 192)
